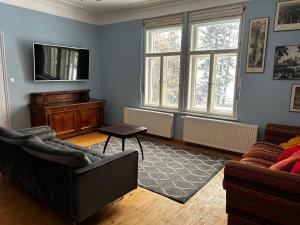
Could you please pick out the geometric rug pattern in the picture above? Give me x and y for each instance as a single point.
(168, 170)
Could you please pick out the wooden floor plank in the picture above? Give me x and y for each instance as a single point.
(88, 139)
(140, 207)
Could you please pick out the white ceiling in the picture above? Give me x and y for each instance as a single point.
(107, 6)
(114, 11)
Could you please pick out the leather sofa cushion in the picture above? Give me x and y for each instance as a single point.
(66, 156)
(46, 135)
(92, 155)
(43, 132)
(12, 137)
(35, 130)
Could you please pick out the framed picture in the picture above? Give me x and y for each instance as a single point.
(287, 63)
(258, 34)
(287, 15)
(295, 98)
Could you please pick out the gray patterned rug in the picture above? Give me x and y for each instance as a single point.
(169, 170)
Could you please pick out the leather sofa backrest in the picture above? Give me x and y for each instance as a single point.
(277, 133)
(13, 137)
(37, 147)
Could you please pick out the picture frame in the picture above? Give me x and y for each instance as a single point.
(295, 98)
(287, 63)
(257, 43)
(287, 15)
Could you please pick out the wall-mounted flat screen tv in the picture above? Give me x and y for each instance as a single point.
(58, 63)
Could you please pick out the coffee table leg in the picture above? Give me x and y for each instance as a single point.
(106, 144)
(140, 146)
(123, 144)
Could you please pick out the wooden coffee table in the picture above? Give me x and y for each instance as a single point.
(123, 131)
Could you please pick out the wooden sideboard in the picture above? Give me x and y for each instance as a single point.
(69, 113)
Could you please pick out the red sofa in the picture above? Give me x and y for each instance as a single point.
(256, 195)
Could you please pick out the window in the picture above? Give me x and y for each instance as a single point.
(162, 66)
(213, 56)
(208, 83)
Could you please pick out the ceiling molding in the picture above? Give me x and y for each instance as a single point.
(162, 9)
(142, 4)
(61, 9)
(122, 14)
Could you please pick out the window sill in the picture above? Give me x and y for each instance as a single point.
(161, 110)
(234, 119)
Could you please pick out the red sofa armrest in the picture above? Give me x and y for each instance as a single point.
(279, 183)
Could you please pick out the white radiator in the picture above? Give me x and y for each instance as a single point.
(236, 137)
(158, 123)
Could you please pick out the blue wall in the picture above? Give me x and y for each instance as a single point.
(262, 99)
(121, 67)
(21, 29)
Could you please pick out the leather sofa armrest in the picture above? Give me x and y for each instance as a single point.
(280, 182)
(101, 163)
(104, 181)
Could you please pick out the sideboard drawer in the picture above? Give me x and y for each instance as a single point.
(72, 107)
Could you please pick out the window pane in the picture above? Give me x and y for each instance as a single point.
(216, 35)
(171, 78)
(164, 40)
(199, 79)
(152, 81)
(224, 83)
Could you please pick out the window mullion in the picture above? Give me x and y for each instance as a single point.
(193, 70)
(161, 81)
(149, 92)
(210, 83)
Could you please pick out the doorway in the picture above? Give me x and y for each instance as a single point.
(4, 102)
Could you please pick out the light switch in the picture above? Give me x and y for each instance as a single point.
(12, 79)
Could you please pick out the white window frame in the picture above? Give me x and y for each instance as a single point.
(161, 55)
(212, 54)
(4, 80)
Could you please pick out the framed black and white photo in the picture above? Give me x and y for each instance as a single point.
(287, 63)
(287, 15)
(295, 98)
(258, 34)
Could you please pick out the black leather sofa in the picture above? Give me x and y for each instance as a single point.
(71, 179)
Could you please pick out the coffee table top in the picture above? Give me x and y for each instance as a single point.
(122, 130)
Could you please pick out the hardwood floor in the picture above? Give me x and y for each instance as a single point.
(140, 207)
(88, 139)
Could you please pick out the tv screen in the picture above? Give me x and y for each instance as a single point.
(56, 63)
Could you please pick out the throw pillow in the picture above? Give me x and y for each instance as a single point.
(296, 168)
(292, 142)
(288, 152)
(288, 163)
